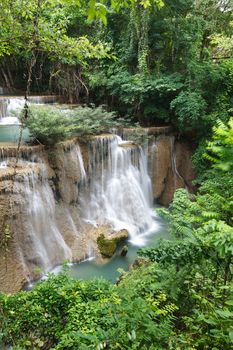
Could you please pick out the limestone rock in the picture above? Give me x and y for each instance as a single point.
(170, 167)
(108, 244)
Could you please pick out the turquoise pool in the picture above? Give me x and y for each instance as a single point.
(10, 133)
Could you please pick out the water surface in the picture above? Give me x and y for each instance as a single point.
(90, 269)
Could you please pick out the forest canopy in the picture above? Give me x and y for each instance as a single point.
(155, 61)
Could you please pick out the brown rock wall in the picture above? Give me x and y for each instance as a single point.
(170, 167)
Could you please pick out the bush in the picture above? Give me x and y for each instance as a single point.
(190, 109)
(49, 124)
(62, 313)
(91, 120)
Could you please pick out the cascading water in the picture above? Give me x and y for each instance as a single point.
(14, 104)
(10, 108)
(47, 246)
(3, 165)
(119, 190)
(173, 163)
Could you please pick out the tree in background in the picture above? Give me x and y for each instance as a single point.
(174, 64)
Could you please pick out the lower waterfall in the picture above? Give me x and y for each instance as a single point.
(119, 191)
(47, 246)
(63, 198)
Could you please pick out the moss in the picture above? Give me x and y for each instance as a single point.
(108, 246)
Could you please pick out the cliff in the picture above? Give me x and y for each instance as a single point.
(41, 211)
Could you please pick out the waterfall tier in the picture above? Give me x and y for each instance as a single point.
(65, 197)
(12, 105)
(119, 190)
(48, 247)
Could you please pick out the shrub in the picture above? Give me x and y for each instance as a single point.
(190, 109)
(62, 313)
(91, 120)
(49, 124)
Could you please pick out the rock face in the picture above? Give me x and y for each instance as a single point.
(170, 167)
(169, 162)
(40, 220)
(67, 164)
(35, 229)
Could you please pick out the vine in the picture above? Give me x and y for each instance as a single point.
(139, 22)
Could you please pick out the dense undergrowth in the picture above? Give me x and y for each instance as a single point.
(158, 62)
(180, 297)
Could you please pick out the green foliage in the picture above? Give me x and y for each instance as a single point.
(159, 62)
(176, 252)
(222, 146)
(168, 69)
(61, 313)
(49, 124)
(190, 109)
(199, 161)
(201, 255)
(92, 120)
(136, 93)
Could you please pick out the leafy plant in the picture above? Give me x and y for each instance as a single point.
(49, 124)
(91, 120)
(221, 147)
(190, 109)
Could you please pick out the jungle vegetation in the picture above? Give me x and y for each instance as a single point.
(155, 62)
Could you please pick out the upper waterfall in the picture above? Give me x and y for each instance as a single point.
(12, 105)
(119, 192)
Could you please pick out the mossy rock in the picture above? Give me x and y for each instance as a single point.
(108, 246)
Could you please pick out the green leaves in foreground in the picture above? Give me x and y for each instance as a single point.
(196, 266)
(220, 149)
(61, 313)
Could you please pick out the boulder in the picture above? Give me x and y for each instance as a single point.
(107, 245)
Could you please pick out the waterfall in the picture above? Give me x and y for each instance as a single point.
(175, 171)
(77, 155)
(45, 244)
(9, 105)
(118, 192)
(3, 164)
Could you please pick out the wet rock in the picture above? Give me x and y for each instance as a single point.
(65, 159)
(170, 167)
(140, 261)
(108, 245)
(124, 250)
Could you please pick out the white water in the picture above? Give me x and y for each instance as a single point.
(77, 155)
(119, 191)
(12, 106)
(8, 108)
(48, 247)
(3, 165)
